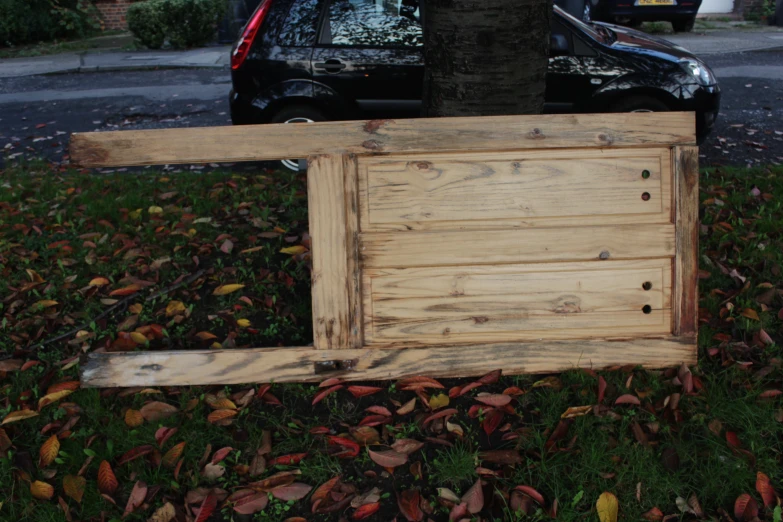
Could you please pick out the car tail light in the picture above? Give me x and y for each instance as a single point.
(242, 48)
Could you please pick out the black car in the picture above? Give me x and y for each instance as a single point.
(681, 13)
(316, 60)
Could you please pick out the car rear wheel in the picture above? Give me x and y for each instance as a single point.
(640, 104)
(684, 25)
(297, 114)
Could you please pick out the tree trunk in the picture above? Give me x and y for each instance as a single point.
(485, 57)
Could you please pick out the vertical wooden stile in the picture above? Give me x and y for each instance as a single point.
(333, 242)
(351, 182)
(686, 264)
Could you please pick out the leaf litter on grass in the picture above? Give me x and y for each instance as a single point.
(553, 446)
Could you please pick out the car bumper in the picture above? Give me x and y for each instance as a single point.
(243, 112)
(705, 102)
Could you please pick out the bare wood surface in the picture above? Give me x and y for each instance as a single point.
(331, 288)
(206, 367)
(534, 245)
(518, 302)
(350, 189)
(272, 142)
(686, 264)
(425, 192)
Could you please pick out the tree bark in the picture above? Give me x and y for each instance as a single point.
(485, 57)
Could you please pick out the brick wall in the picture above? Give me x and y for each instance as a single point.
(113, 13)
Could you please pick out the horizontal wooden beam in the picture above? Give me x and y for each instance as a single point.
(207, 367)
(273, 142)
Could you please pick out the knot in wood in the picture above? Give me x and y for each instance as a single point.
(605, 139)
(536, 134)
(604, 255)
(372, 145)
(423, 165)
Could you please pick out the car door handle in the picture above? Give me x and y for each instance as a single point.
(331, 66)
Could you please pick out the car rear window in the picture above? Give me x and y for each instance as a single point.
(301, 24)
(375, 23)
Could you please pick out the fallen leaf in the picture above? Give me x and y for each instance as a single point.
(133, 418)
(601, 389)
(227, 246)
(294, 250)
(750, 313)
(363, 391)
(746, 508)
(221, 415)
(532, 493)
(251, 504)
(607, 507)
(408, 502)
(321, 395)
(212, 472)
(407, 446)
(73, 486)
(627, 399)
(135, 453)
(207, 508)
(763, 486)
(227, 289)
(654, 515)
(49, 451)
(174, 308)
(107, 482)
(497, 400)
(576, 411)
(439, 401)
(366, 510)
(171, 457)
(407, 407)
(156, 410)
(165, 513)
(474, 498)
(127, 290)
(243, 323)
(295, 491)
(19, 415)
(41, 490)
(52, 398)
(388, 458)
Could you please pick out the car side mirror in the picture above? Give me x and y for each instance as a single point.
(558, 45)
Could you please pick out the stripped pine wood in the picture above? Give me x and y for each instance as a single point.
(351, 202)
(535, 245)
(272, 142)
(466, 304)
(686, 264)
(416, 192)
(208, 367)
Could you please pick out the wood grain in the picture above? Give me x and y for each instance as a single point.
(518, 302)
(301, 140)
(686, 264)
(351, 201)
(207, 367)
(417, 192)
(555, 244)
(333, 315)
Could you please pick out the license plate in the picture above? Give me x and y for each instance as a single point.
(656, 2)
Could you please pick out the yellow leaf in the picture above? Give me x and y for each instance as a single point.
(34, 277)
(155, 210)
(133, 418)
(439, 401)
(41, 490)
(136, 308)
(750, 313)
(52, 397)
(138, 338)
(607, 507)
(73, 486)
(48, 451)
(294, 250)
(46, 303)
(174, 308)
(15, 416)
(576, 411)
(99, 281)
(243, 323)
(227, 289)
(206, 336)
(135, 214)
(216, 346)
(251, 250)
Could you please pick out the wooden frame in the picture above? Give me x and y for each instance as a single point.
(455, 246)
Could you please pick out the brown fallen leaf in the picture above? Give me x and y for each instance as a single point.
(388, 458)
(74, 486)
(156, 410)
(474, 498)
(41, 490)
(576, 411)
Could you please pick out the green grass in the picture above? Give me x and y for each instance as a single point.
(686, 451)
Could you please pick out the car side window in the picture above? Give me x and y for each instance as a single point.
(373, 23)
(557, 29)
(301, 24)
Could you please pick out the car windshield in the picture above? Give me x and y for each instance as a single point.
(595, 31)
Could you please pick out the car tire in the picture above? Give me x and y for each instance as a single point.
(297, 114)
(683, 25)
(640, 104)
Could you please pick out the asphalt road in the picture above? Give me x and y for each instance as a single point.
(37, 113)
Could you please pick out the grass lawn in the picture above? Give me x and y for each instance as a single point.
(152, 248)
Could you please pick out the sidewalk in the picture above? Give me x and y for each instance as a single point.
(720, 42)
(113, 61)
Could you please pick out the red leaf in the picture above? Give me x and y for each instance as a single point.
(375, 420)
(745, 508)
(164, 434)
(628, 399)
(733, 440)
(287, 460)
(330, 382)
(366, 510)
(558, 434)
(107, 482)
(363, 391)
(379, 410)
(295, 491)
(252, 503)
(474, 498)
(768, 495)
(492, 421)
(207, 508)
(442, 413)
(408, 503)
(136, 498)
(601, 389)
(470, 386)
(491, 378)
(351, 447)
(418, 383)
(407, 446)
(319, 430)
(221, 454)
(769, 394)
(514, 391)
(497, 400)
(388, 458)
(654, 515)
(323, 491)
(532, 493)
(135, 453)
(320, 396)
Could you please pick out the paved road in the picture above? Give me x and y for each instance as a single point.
(37, 113)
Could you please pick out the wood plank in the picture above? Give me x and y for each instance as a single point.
(208, 367)
(351, 196)
(332, 312)
(517, 302)
(510, 186)
(556, 244)
(686, 264)
(272, 142)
